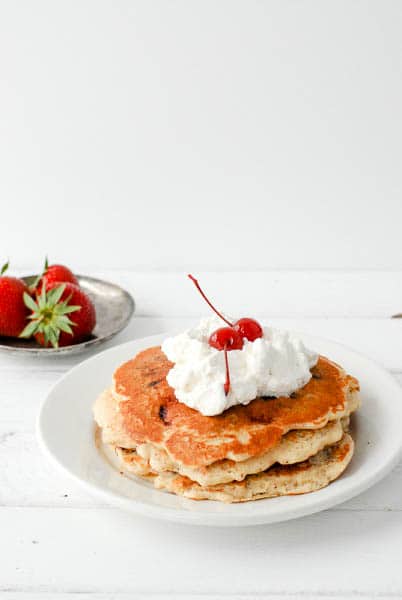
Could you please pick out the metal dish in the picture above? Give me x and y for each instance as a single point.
(114, 309)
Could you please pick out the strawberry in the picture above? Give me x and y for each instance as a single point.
(50, 322)
(52, 274)
(13, 312)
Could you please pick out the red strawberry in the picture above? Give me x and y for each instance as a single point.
(52, 274)
(13, 312)
(58, 273)
(50, 321)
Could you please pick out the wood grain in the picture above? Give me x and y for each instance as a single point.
(106, 550)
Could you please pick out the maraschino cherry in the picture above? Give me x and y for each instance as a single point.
(249, 328)
(226, 337)
(231, 337)
(246, 327)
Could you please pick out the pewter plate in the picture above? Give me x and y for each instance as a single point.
(114, 309)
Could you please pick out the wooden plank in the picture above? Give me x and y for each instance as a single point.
(25, 382)
(380, 339)
(108, 551)
(28, 479)
(321, 293)
(273, 293)
(27, 595)
(22, 390)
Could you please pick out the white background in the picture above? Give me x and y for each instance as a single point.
(215, 134)
(256, 143)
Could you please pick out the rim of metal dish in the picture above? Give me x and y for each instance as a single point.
(75, 348)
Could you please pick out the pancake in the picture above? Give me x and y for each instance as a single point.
(108, 417)
(145, 411)
(308, 476)
(296, 446)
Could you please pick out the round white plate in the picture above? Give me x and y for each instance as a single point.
(66, 431)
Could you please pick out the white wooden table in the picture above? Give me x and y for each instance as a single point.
(56, 541)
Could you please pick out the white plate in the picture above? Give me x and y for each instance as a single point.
(66, 431)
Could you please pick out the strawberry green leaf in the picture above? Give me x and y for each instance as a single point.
(29, 330)
(37, 279)
(29, 302)
(4, 268)
(35, 283)
(65, 327)
(70, 309)
(49, 315)
(54, 337)
(46, 335)
(42, 299)
(56, 293)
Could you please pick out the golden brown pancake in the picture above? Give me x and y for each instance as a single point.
(296, 446)
(280, 480)
(148, 412)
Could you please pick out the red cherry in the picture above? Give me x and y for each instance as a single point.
(226, 337)
(230, 338)
(249, 329)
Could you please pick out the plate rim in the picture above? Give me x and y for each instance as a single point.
(173, 514)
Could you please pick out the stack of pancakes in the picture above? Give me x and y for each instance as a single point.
(271, 447)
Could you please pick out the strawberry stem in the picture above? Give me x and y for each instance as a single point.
(197, 285)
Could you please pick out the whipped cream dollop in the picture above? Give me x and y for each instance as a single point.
(277, 364)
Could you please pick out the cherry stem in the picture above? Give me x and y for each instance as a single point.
(226, 385)
(197, 285)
